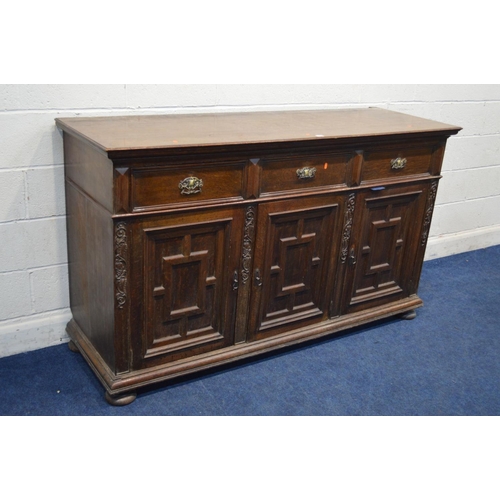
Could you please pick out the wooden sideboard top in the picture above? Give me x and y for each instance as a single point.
(153, 132)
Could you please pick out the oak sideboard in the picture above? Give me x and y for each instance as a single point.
(195, 240)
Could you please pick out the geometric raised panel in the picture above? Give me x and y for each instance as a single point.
(381, 251)
(183, 288)
(294, 265)
(295, 262)
(383, 254)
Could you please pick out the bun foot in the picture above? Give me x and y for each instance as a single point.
(121, 399)
(72, 346)
(409, 315)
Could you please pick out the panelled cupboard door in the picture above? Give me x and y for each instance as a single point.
(387, 245)
(185, 297)
(295, 263)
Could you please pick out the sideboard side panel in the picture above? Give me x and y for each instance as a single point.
(90, 257)
(90, 170)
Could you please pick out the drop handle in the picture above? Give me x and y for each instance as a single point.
(258, 279)
(352, 257)
(236, 281)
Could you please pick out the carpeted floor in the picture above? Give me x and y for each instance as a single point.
(445, 362)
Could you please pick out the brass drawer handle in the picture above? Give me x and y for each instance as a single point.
(306, 173)
(191, 185)
(398, 163)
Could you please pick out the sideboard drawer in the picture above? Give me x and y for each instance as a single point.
(162, 186)
(302, 173)
(396, 162)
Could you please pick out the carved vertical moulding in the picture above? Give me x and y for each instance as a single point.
(247, 243)
(431, 199)
(346, 234)
(121, 264)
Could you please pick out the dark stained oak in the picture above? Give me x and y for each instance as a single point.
(185, 267)
(197, 240)
(282, 173)
(132, 133)
(295, 263)
(120, 399)
(72, 346)
(409, 315)
(377, 162)
(381, 260)
(159, 186)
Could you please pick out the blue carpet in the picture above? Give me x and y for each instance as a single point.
(445, 362)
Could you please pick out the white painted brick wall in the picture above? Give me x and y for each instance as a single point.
(15, 294)
(45, 198)
(472, 184)
(176, 96)
(12, 194)
(49, 287)
(32, 243)
(56, 97)
(33, 260)
(471, 152)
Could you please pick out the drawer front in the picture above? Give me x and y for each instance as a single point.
(394, 162)
(303, 173)
(185, 185)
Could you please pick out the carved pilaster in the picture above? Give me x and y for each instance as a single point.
(431, 199)
(247, 243)
(346, 234)
(121, 264)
